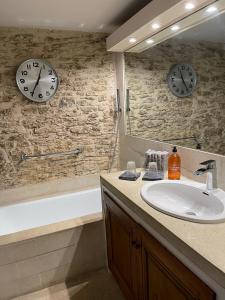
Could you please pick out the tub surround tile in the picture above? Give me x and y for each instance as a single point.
(58, 240)
(48, 189)
(16, 252)
(55, 276)
(9, 290)
(55, 258)
(8, 273)
(29, 284)
(49, 229)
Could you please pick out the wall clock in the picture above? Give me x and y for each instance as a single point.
(182, 80)
(37, 80)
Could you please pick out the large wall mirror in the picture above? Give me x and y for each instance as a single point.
(176, 89)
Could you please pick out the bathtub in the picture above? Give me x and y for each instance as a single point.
(50, 240)
(38, 213)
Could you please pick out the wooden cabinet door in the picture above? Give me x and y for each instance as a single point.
(166, 278)
(121, 247)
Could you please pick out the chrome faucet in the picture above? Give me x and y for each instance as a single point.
(211, 170)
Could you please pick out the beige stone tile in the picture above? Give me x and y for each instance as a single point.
(46, 262)
(58, 240)
(29, 284)
(28, 267)
(5, 256)
(9, 290)
(55, 276)
(17, 251)
(8, 273)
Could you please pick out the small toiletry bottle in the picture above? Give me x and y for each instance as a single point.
(174, 164)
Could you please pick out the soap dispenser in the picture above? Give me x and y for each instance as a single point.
(174, 165)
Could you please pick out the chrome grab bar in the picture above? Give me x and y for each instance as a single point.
(76, 152)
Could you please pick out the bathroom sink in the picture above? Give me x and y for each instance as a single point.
(186, 200)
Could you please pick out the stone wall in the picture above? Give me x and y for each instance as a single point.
(157, 114)
(80, 114)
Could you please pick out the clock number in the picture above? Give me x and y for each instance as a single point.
(190, 86)
(40, 96)
(22, 80)
(25, 89)
(53, 79)
(52, 87)
(24, 73)
(36, 64)
(47, 94)
(183, 68)
(43, 67)
(28, 67)
(50, 72)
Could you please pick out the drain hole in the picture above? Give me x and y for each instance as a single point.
(191, 213)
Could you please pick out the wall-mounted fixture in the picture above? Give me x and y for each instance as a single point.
(37, 80)
(194, 138)
(75, 152)
(151, 20)
(127, 100)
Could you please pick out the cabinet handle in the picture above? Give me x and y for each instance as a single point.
(133, 243)
(138, 245)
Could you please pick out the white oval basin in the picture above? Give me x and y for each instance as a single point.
(186, 200)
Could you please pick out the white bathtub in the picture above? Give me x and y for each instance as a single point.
(27, 215)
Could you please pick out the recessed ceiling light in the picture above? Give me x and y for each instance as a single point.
(189, 6)
(212, 9)
(175, 28)
(150, 41)
(132, 40)
(155, 26)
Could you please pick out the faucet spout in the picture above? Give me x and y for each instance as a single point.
(200, 171)
(211, 170)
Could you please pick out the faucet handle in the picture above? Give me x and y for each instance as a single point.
(209, 164)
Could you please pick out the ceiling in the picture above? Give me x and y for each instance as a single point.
(84, 15)
(211, 31)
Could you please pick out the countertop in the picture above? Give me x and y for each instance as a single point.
(202, 244)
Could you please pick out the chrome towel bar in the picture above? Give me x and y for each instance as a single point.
(76, 152)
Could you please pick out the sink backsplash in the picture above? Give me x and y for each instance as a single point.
(134, 148)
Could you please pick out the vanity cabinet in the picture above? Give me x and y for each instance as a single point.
(144, 269)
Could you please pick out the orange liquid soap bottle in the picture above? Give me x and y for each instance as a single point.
(174, 165)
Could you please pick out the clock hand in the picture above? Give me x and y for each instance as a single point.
(37, 82)
(183, 80)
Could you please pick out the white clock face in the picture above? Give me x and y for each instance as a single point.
(182, 80)
(37, 80)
